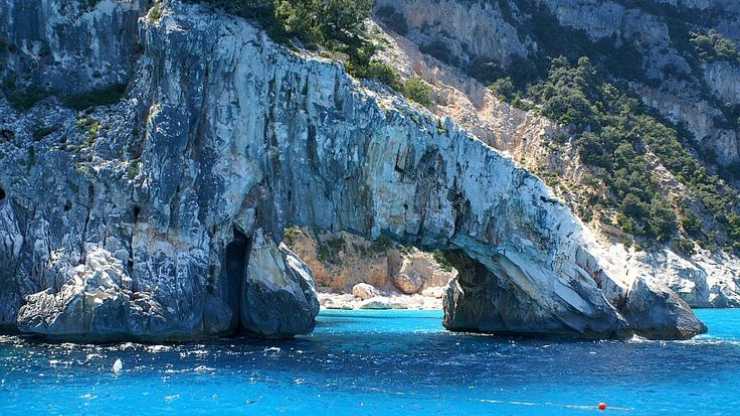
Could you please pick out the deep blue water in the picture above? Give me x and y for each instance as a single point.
(380, 363)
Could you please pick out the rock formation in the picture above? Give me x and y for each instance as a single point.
(364, 291)
(278, 297)
(707, 278)
(225, 138)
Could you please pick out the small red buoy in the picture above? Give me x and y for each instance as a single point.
(602, 406)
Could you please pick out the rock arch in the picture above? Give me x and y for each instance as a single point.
(245, 134)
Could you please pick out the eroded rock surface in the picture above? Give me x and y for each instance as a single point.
(278, 295)
(704, 279)
(97, 303)
(226, 138)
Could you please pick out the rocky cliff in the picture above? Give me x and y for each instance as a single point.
(645, 43)
(448, 42)
(158, 217)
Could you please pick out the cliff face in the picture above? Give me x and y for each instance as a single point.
(68, 47)
(648, 42)
(156, 217)
(459, 34)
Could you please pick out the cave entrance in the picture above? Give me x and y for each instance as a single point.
(235, 270)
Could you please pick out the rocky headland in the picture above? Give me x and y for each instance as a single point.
(163, 215)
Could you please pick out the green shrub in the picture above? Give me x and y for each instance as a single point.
(614, 133)
(418, 90)
(504, 89)
(91, 128)
(444, 262)
(155, 13)
(25, 98)
(712, 46)
(291, 235)
(328, 251)
(439, 50)
(133, 169)
(336, 25)
(691, 225)
(684, 246)
(43, 131)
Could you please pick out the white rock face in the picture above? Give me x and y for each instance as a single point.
(279, 298)
(706, 279)
(96, 303)
(239, 138)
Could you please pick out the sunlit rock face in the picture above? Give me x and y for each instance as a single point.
(69, 47)
(461, 32)
(698, 96)
(223, 140)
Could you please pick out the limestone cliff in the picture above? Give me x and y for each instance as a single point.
(442, 43)
(225, 138)
(646, 43)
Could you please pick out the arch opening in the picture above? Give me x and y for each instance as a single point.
(235, 269)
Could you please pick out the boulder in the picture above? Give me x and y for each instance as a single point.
(278, 296)
(656, 312)
(364, 291)
(95, 304)
(408, 283)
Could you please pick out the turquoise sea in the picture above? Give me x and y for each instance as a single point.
(380, 363)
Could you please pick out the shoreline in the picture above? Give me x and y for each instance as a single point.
(429, 299)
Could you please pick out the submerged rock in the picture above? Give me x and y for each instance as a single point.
(380, 302)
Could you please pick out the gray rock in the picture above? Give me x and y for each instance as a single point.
(278, 298)
(659, 313)
(226, 138)
(69, 47)
(508, 297)
(96, 304)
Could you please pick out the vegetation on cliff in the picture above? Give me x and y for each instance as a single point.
(623, 144)
(583, 84)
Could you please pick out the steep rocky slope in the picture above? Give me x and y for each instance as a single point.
(645, 43)
(500, 38)
(158, 217)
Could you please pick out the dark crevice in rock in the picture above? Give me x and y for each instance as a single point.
(235, 267)
(2, 194)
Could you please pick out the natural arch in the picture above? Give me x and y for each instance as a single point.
(235, 268)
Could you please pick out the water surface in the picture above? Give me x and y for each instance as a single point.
(380, 363)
